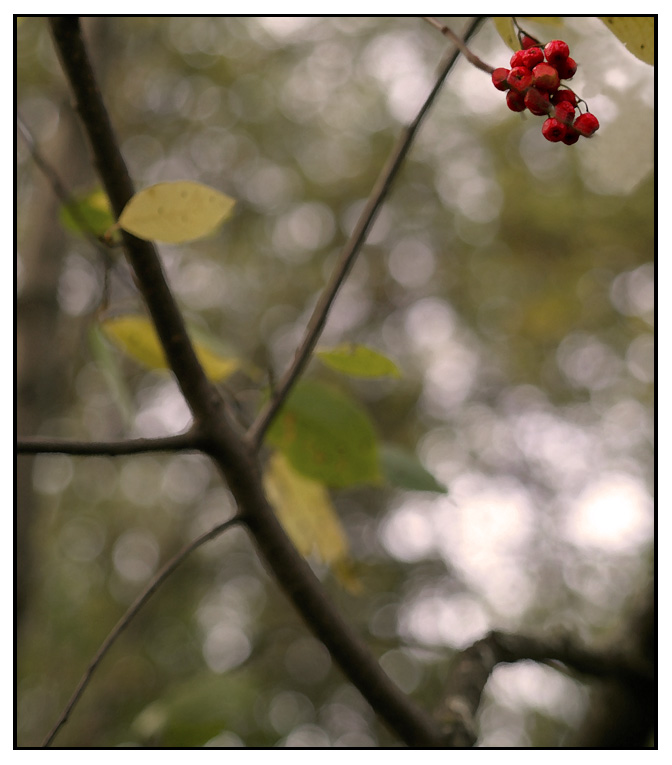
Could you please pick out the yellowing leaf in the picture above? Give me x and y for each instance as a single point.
(137, 338)
(305, 511)
(358, 361)
(637, 33)
(507, 29)
(175, 212)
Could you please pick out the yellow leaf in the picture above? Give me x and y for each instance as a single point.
(507, 30)
(305, 511)
(637, 33)
(504, 25)
(136, 336)
(175, 212)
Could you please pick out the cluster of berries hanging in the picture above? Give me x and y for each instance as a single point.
(533, 82)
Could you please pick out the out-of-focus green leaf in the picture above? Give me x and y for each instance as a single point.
(88, 214)
(195, 711)
(637, 33)
(326, 436)
(358, 361)
(175, 212)
(404, 470)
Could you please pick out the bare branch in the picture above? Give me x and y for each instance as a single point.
(181, 442)
(475, 664)
(472, 58)
(349, 254)
(126, 619)
(235, 455)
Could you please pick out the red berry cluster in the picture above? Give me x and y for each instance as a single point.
(533, 82)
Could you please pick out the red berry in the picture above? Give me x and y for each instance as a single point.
(564, 112)
(571, 136)
(499, 78)
(567, 69)
(517, 59)
(545, 77)
(586, 124)
(537, 102)
(515, 101)
(531, 57)
(553, 130)
(556, 52)
(528, 42)
(520, 78)
(564, 95)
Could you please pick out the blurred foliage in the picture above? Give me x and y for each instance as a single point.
(510, 279)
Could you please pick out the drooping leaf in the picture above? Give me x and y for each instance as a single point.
(358, 361)
(404, 470)
(326, 436)
(88, 214)
(507, 30)
(137, 338)
(304, 509)
(174, 212)
(637, 33)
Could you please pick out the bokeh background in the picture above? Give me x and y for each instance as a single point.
(511, 279)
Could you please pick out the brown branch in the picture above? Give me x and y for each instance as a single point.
(472, 58)
(39, 445)
(200, 395)
(126, 619)
(475, 664)
(349, 254)
(220, 437)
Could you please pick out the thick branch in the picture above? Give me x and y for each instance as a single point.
(349, 254)
(220, 439)
(475, 664)
(198, 392)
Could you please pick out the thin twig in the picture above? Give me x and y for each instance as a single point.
(125, 620)
(38, 445)
(348, 255)
(67, 200)
(472, 58)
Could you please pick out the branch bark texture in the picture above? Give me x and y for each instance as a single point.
(218, 433)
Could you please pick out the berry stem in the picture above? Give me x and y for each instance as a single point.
(471, 57)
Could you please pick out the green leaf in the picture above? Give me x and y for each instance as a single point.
(326, 436)
(358, 361)
(88, 214)
(404, 470)
(175, 212)
(192, 712)
(137, 338)
(637, 33)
